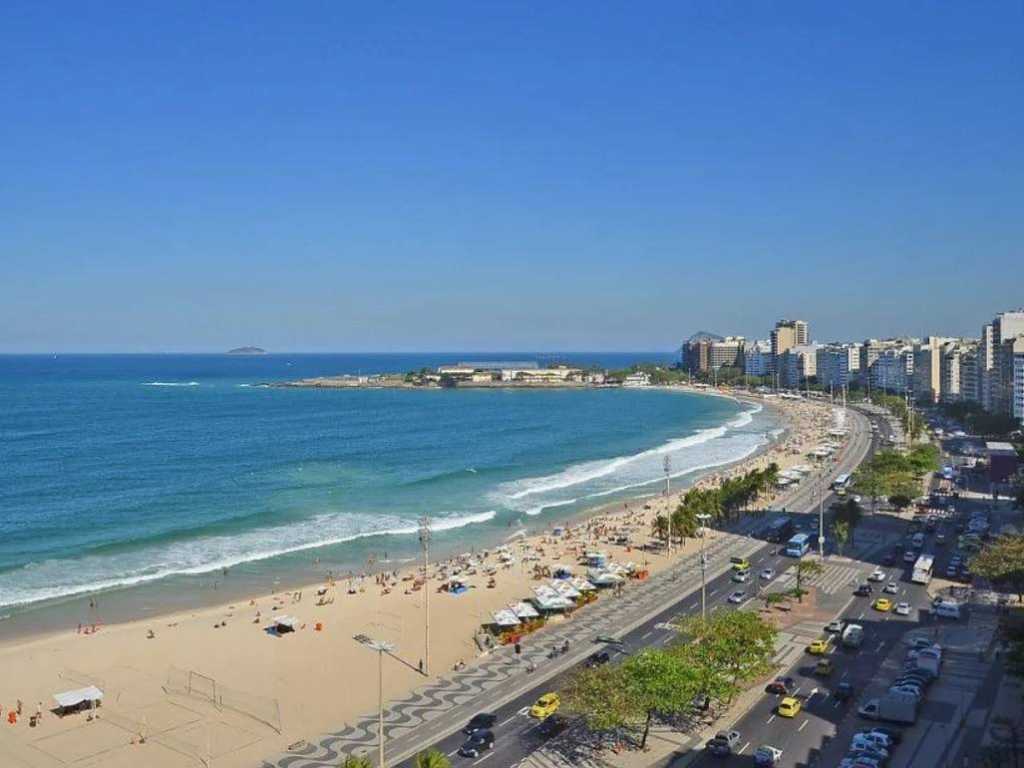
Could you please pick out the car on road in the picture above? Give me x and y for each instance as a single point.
(545, 706)
(859, 744)
(477, 744)
(824, 667)
(909, 556)
(843, 692)
(608, 640)
(740, 577)
(723, 743)
(889, 559)
(877, 575)
(880, 740)
(883, 604)
(789, 707)
(768, 574)
(820, 646)
(739, 563)
(863, 590)
(767, 755)
(480, 722)
(902, 609)
(891, 588)
(836, 626)
(908, 689)
(894, 736)
(598, 658)
(737, 597)
(781, 685)
(952, 571)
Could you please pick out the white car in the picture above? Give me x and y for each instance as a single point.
(740, 577)
(768, 574)
(902, 609)
(767, 755)
(891, 588)
(877, 575)
(737, 597)
(856, 499)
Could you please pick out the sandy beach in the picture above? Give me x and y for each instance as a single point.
(294, 685)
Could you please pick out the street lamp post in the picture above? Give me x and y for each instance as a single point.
(703, 568)
(821, 517)
(425, 543)
(381, 647)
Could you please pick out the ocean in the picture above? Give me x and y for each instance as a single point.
(162, 481)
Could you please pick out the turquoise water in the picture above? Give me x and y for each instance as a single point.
(121, 471)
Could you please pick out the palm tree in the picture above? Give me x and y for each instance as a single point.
(806, 569)
(357, 761)
(432, 758)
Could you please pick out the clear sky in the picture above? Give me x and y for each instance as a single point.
(480, 176)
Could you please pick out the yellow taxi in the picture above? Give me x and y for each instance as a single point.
(739, 563)
(546, 705)
(823, 667)
(820, 647)
(788, 707)
(883, 604)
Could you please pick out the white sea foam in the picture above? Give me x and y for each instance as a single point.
(65, 578)
(703, 450)
(170, 383)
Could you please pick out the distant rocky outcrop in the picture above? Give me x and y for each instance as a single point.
(247, 351)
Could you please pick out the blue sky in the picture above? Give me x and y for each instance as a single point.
(438, 176)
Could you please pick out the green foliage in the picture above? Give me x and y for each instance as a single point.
(847, 517)
(726, 651)
(432, 758)
(727, 500)
(841, 533)
(978, 421)
(651, 682)
(805, 569)
(1002, 562)
(356, 761)
(900, 501)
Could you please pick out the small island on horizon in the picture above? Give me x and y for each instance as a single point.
(247, 351)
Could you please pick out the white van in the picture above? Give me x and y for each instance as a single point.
(948, 610)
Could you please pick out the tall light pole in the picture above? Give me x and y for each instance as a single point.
(821, 516)
(381, 647)
(703, 568)
(425, 543)
(668, 506)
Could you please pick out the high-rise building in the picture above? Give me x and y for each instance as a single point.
(727, 353)
(969, 387)
(893, 369)
(954, 374)
(1006, 327)
(786, 334)
(796, 365)
(757, 358)
(986, 362)
(1016, 352)
(837, 365)
(927, 381)
(696, 352)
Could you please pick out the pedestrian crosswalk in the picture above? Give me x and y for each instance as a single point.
(834, 578)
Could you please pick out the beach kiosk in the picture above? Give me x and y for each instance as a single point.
(78, 699)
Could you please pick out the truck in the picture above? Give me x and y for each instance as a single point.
(853, 636)
(890, 708)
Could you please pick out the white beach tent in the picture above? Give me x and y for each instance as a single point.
(565, 589)
(546, 599)
(77, 697)
(524, 610)
(603, 578)
(582, 585)
(505, 618)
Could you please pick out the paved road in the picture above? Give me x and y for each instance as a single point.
(433, 715)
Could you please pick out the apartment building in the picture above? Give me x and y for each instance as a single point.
(837, 365)
(893, 368)
(1006, 327)
(796, 365)
(786, 334)
(927, 377)
(757, 358)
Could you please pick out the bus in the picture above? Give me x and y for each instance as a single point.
(798, 545)
(780, 530)
(922, 573)
(841, 483)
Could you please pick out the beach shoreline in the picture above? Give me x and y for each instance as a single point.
(229, 642)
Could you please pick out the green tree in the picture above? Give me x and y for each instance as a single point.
(869, 481)
(806, 569)
(900, 501)
(849, 514)
(432, 758)
(1002, 562)
(684, 522)
(841, 533)
(649, 683)
(726, 651)
(357, 761)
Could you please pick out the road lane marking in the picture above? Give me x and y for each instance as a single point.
(803, 725)
(881, 644)
(489, 754)
(509, 719)
(453, 752)
(645, 635)
(712, 593)
(769, 720)
(861, 615)
(743, 748)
